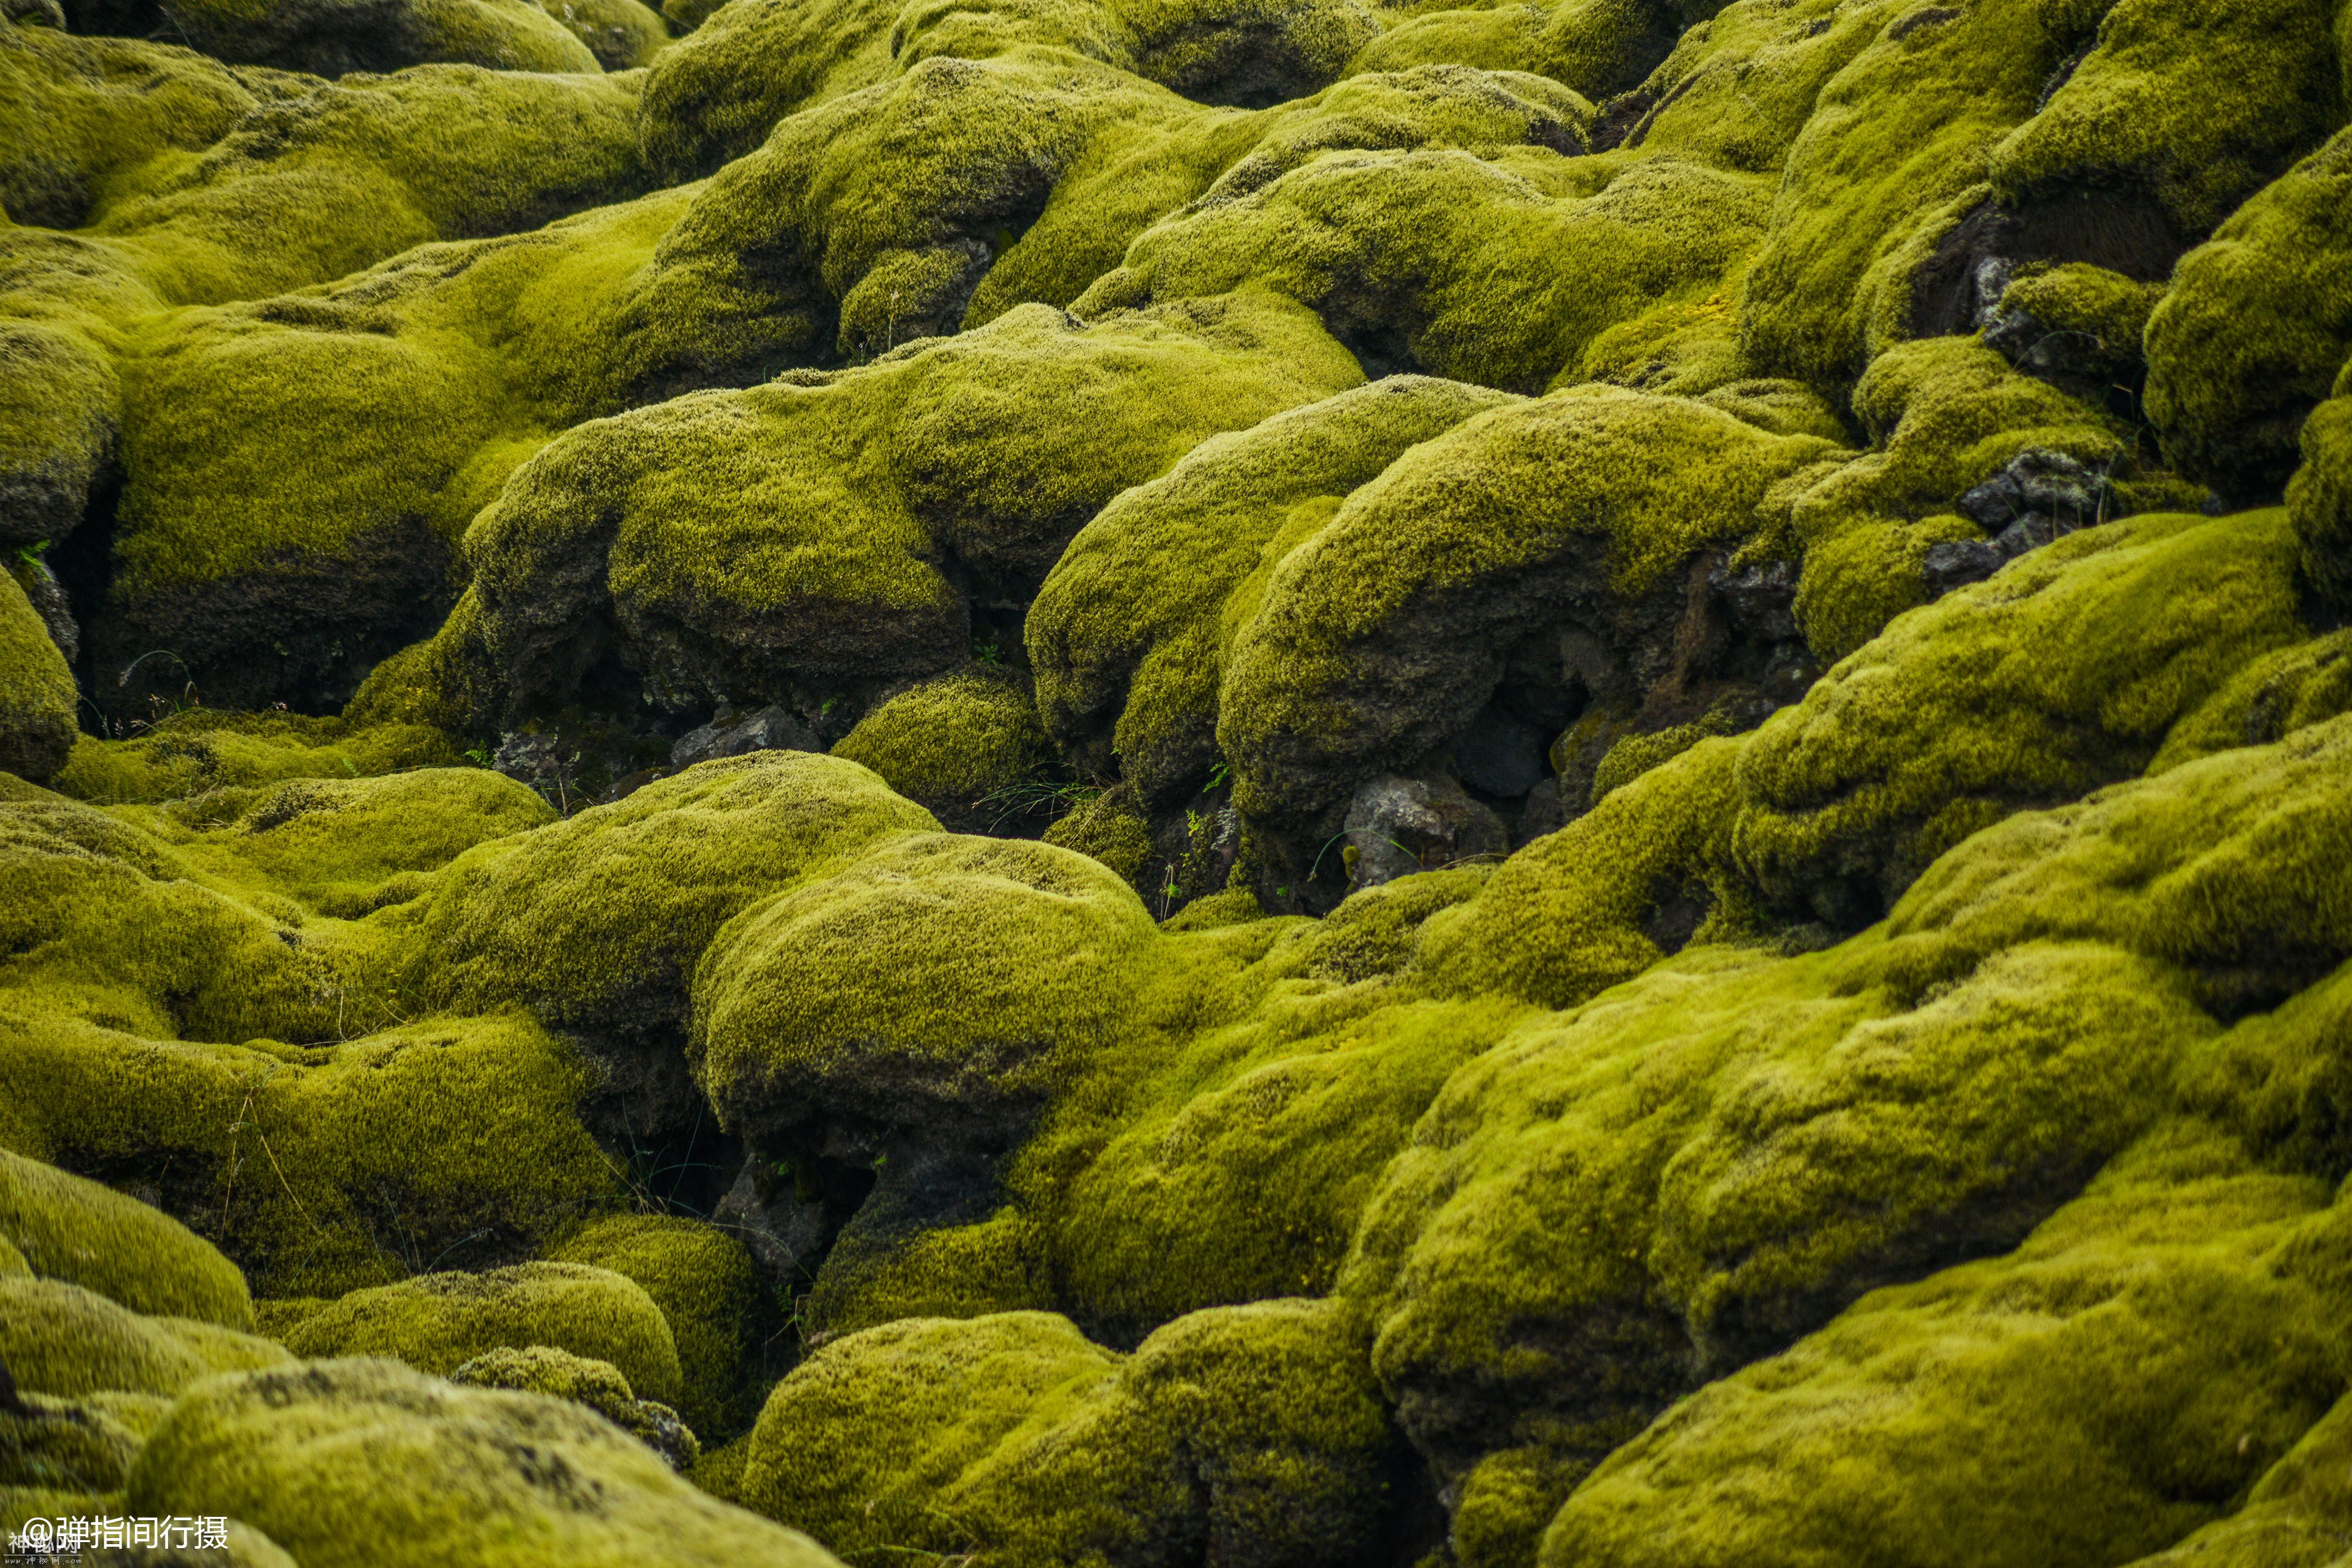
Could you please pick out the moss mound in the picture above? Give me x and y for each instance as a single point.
(265, 1444)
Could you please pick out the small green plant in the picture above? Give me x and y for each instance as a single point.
(985, 652)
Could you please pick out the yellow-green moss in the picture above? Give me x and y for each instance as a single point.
(1108, 828)
(598, 920)
(1129, 632)
(955, 741)
(37, 699)
(331, 40)
(1960, 712)
(713, 1296)
(204, 748)
(2101, 1392)
(1011, 1436)
(56, 1338)
(278, 1449)
(2256, 328)
(436, 1323)
(65, 1227)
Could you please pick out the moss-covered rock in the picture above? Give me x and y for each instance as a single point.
(438, 1323)
(333, 38)
(37, 691)
(1012, 1435)
(713, 1294)
(65, 1227)
(967, 746)
(201, 750)
(60, 1339)
(599, 1385)
(410, 1462)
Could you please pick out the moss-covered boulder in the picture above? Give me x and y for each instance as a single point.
(1015, 1436)
(416, 1462)
(438, 1323)
(58, 1338)
(718, 1303)
(37, 700)
(65, 1227)
(967, 746)
(598, 1384)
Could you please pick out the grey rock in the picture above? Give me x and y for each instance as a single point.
(1957, 563)
(1542, 813)
(769, 730)
(1760, 600)
(1399, 825)
(1501, 754)
(2050, 483)
(56, 610)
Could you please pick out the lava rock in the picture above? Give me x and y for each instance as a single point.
(1760, 600)
(1396, 826)
(769, 730)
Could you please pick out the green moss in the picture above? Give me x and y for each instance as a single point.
(959, 743)
(436, 1323)
(65, 1447)
(622, 34)
(60, 1339)
(2262, 76)
(1013, 1436)
(599, 1385)
(2095, 318)
(1596, 46)
(1500, 270)
(201, 750)
(2295, 1517)
(277, 1448)
(710, 1291)
(994, 1265)
(1740, 87)
(65, 1227)
(1127, 634)
(37, 699)
(598, 921)
(2254, 331)
(1108, 828)
(793, 534)
(2104, 1390)
(2271, 698)
(2320, 500)
(1598, 493)
(335, 37)
(1955, 717)
(801, 1007)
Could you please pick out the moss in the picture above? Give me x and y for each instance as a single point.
(330, 39)
(2271, 698)
(277, 1448)
(2121, 117)
(2320, 500)
(1108, 828)
(60, 1339)
(2149, 1354)
(1011, 1436)
(65, 1227)
(713, 1296)
(599, 1385)
(37, 699)
(964, 744)
(59, 1445)
(436, 1323)
(1500, 270)
(1741, 86)
(200, 750)
(2157, 613)
(1128, 633)
(598, 921)
(800, 1008)
(2094, 318)
(994, 1265)
(2295, 1517)
(2256, 326)
(1596, 46)
(622, 34)
(1376, 639)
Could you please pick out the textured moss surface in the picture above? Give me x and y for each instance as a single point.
(1151, 782)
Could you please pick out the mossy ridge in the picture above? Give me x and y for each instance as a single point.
(197, 750)
(719, 1305)
(37, 697)
(2158, 612)
(60, 1339)
(2188, 1293)
(2256, 330)
(1448, 262)
(1472, 541)
(334, 38)
(436, 1323)
(1013, 1436)
(62, 1227)
(271, 1447)
(731, 569)
(1121, 638)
